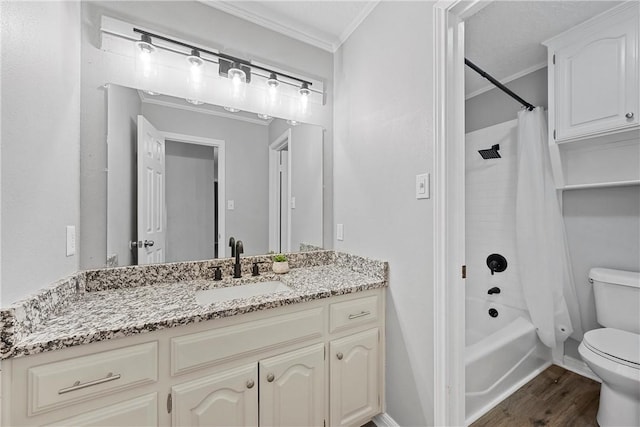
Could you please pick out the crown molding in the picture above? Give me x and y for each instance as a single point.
(232, 8)
(357, 21)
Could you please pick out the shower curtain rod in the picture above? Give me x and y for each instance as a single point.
(498, 84)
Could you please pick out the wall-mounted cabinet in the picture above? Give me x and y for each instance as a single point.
(594, 76)
(594, 98)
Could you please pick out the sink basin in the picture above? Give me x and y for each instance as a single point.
(209, 296)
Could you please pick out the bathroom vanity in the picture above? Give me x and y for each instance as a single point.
(133, 346)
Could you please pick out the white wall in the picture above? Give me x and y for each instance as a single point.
(603, 230)
(190, 177)
(383, 138)
(247, 169)
(40, 143)
(122, 178)
(196, 22)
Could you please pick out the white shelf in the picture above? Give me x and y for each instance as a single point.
(601, 185)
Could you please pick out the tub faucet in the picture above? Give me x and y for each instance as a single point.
(494, 290)
(237, 268)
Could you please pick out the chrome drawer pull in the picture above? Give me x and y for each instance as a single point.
(78, 386)
(361, 314)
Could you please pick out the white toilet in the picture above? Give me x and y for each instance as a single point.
(613, 352)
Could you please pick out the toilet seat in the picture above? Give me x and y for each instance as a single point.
(618, 346)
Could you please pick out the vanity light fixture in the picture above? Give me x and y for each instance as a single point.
(194, 59)
(145, 45)
(264, 116)
(232, 110)
(273, 82)
(237, 69)
(194, 101)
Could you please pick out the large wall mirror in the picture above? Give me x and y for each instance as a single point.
(183, 178)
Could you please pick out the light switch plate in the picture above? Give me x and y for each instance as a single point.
(422, 186)
(71, 240)
(231, 205)
(340, 232)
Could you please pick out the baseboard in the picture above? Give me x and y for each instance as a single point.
(579, 367)
(384, 420)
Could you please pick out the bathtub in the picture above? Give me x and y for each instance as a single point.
(501, 355)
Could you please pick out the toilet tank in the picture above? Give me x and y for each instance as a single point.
(617, 297)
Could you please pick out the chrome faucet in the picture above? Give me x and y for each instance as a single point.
(237, 268)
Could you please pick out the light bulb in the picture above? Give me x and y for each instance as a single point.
(292, 122)
(236, 74)
(273, 81)
(150, 92)
(304, 89)
(194, 101)
(232, 110)
(264, 116)
(194, 59)
(145, 46)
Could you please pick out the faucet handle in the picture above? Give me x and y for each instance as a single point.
(217, 274)
(255, 270)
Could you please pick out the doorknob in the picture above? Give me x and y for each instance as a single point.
(148, 243)
(135, 244)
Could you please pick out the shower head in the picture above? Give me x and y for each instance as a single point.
(491, 153)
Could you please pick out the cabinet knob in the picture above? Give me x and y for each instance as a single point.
(270, 378)
(250, 384)
(629, 115)
(339, 356)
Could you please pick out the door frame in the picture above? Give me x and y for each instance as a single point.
(449, 209)
(220, 145)
(274, 226)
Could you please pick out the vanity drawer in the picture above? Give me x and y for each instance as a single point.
(208, 348)
(347, 314)
(62, 383)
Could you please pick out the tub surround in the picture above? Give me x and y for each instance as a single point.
(103, 304)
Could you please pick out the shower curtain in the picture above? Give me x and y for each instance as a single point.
(541, 247)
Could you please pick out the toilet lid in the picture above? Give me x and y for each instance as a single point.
(615, 344)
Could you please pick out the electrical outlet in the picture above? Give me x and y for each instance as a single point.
(71, 240)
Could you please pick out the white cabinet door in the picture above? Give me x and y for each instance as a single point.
(596, 79)
(354, 378)
(141, 411)
(229, 398)
(292, 388)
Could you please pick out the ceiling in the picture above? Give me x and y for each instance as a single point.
(324, 24)
(504, 37)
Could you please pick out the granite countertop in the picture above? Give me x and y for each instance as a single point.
(98, 315)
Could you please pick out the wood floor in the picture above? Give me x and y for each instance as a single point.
(556, 397)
